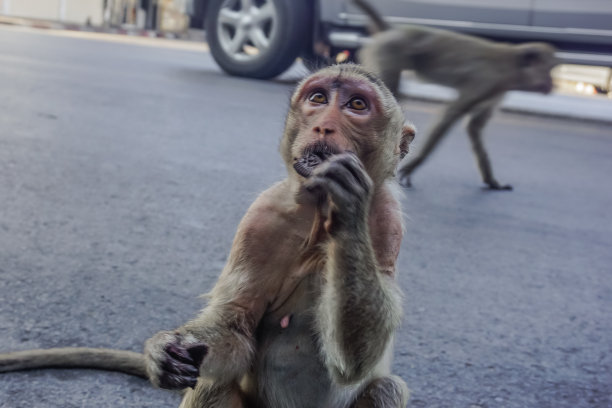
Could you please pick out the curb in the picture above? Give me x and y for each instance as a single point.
(556, 105)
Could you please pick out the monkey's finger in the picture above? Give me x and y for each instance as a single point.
(173, 382)
(350, 174)
(352, 163)
(350, 157)
(338, 195)
(174, 367)
(355, 166)
(179, 353)
(343, 176)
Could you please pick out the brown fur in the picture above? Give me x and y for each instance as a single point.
(318, 255)
(481, 71)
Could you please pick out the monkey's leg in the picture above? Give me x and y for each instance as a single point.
(385, 392)
(208, 395)
(462, 105)
(450, 116)
(477, 122)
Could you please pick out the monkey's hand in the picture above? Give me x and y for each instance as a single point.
(348, 188)
(173, 360)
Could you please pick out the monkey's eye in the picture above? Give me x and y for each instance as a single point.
(318, 97)
(357, 104)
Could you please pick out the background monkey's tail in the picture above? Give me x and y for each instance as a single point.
(128, 362)
(379, 24)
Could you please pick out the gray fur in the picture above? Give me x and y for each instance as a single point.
(481, 71)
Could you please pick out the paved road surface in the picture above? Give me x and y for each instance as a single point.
(124, 170)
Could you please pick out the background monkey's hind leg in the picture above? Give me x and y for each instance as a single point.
(476, 123)
(452, 113)
(461, 106)
(385, 392)
(208, 395)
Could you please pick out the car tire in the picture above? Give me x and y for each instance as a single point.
(257, 38)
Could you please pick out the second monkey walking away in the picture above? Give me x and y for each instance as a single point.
(481, 71)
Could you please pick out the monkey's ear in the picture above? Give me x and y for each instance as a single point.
(408, 133)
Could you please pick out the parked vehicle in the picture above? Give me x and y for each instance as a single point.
(262, 38)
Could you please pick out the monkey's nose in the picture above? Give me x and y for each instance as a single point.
(323, 130)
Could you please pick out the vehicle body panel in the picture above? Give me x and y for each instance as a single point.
(581, 30)
(572, 26)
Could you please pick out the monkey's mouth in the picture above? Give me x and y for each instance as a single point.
(312, 157)
(546, 87)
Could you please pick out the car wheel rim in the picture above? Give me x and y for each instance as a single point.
(245, 28)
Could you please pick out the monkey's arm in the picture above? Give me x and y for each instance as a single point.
(360, 305)
(218, 344)
(226, 326)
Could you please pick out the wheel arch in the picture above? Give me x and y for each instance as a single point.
(301, 22)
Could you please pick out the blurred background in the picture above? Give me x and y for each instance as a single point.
(135, 134)
(580, 29)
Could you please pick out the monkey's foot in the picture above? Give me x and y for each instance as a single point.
(497, 186)
(405, 180)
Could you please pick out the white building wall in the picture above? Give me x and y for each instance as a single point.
(79, 10)
(74, 11)
(5, 6)
(43, 9)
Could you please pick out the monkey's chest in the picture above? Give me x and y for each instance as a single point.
(289, 371)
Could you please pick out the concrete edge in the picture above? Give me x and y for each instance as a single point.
(566, 107)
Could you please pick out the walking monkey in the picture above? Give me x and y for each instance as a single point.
(304, 312)
(481, 71)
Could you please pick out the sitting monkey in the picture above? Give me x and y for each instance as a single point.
(304, 312)
(481, 71)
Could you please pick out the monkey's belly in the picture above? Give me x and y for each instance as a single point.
(289, 371)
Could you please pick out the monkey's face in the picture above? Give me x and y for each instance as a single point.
(343, 108)
(336, 114)
(535, 63)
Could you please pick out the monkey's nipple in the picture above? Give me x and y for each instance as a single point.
(306, 164)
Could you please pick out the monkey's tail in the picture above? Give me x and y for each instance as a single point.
(128, 362)
(379, 23)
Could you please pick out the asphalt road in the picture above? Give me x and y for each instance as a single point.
(125, 168)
